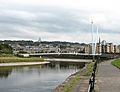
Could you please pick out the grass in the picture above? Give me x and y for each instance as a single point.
(88, 69)
(9, 58)
(116, 63)
(85, 72)
(71, 83)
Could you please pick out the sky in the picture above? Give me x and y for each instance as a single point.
(60, 20)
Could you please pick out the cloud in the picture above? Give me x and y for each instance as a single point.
(52, 21)
(66, 20)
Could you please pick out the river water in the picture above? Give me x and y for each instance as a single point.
(40, 78)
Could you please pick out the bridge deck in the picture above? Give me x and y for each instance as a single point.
(68, 60)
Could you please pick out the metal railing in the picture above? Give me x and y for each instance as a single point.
(92, 78)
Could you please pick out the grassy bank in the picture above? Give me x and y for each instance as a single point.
(7, 55)
(116, 63)
(9, 58)
(71, 80)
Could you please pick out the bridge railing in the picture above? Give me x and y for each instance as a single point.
(92, 78)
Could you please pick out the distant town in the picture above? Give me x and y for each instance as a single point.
(39, 46)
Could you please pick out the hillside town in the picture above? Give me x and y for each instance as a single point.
(60, 47)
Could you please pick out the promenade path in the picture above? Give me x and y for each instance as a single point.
(108, 77)
(81, 85)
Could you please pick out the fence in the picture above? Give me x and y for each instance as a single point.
(92, 78)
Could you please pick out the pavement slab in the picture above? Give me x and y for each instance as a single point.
(108, 77)
(81, 85)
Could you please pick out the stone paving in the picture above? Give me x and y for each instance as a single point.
(108, 77)
(81, 85)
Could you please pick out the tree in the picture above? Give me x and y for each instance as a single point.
(6, 49)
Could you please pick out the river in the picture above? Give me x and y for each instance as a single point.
(40, 78)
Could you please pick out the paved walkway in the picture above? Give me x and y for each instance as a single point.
(108, 77)
(81, 85)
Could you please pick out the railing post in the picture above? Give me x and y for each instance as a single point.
(92, 78)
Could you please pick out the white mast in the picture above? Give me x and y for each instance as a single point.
(39, 40)
(92, 37)
(96, 39)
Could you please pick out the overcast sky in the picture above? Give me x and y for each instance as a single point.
(62, 20)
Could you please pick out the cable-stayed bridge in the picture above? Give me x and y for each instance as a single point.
(71, 55)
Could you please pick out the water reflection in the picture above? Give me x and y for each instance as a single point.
(65, 65)
(5, 72)
(40, 78)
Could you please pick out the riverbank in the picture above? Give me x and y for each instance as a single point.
(9, 58)
(71, 82)
(19, 59)
(22, 64)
